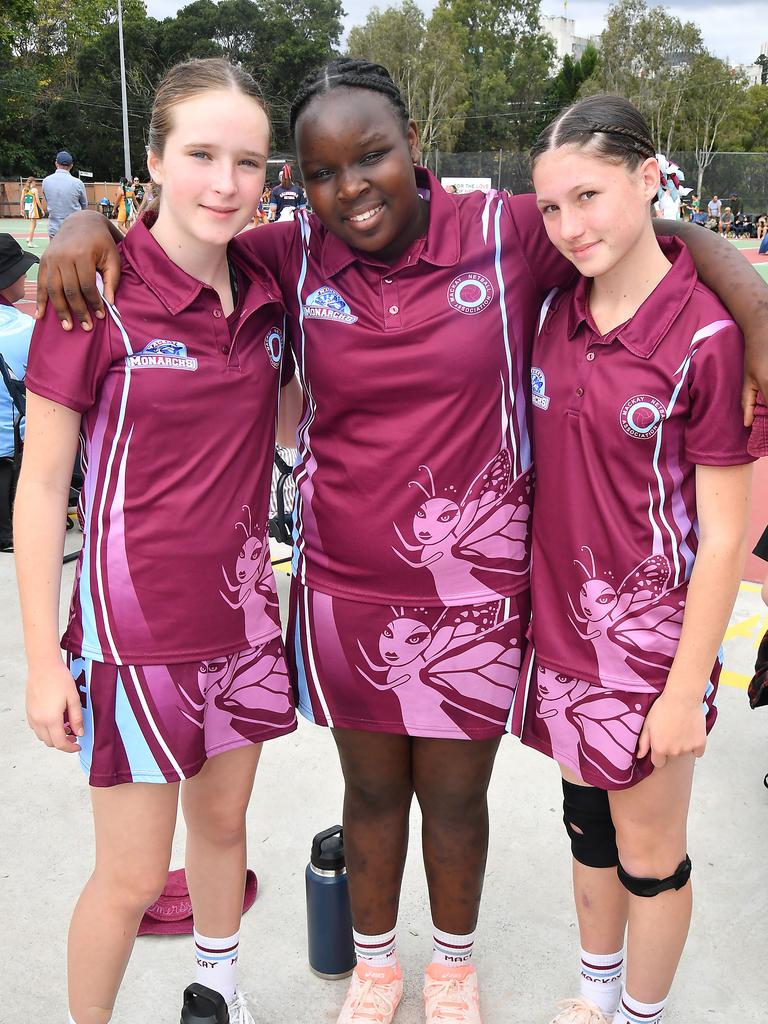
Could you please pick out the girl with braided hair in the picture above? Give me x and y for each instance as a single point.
(411, 315)
(638, 433)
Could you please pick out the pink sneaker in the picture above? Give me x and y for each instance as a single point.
(451, 996)
(374, 994)
(579, 1011)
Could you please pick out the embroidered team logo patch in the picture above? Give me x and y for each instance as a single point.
(327, 304)
(273, 343)
(470, 293)
(162, 354)
(641, 416)
(539, 395)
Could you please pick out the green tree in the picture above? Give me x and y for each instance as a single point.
(564, 87)
(646, 56)
(508, 60)
(425, 60)
(713, 97)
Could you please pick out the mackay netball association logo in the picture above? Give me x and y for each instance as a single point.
(273, 343)
(642, 416)
(470, 293)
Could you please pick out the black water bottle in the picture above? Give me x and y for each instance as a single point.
(203, 1006)
(329, 918)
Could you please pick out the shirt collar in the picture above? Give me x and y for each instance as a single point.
(174, 287)
(440, 246)
(643, 332)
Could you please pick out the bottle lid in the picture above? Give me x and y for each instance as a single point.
(328, 849)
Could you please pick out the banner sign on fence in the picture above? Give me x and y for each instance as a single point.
(468, 184)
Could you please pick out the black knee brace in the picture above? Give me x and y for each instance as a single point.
(589, 811)
(654, 886)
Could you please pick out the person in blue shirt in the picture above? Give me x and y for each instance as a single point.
(287, 197)
(15, 334)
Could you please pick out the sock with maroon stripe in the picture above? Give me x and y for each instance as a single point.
(600, 979)
(632, 1011)
(451, 950)
(376, 950)
(217, 963)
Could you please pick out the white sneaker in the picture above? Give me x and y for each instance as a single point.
(239, 1010)
(579, 1011)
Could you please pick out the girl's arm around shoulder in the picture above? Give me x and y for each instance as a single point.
(675, 724)
(40, 514)
(722, 267)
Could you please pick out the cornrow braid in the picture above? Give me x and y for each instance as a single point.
(644, 145)
(350, 73)
(609, 125)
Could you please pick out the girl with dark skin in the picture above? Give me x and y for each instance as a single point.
(356, 148)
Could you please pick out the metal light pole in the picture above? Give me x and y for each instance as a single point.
(126, 142)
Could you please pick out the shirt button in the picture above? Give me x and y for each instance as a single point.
(387, 280)
(394, 310)
(217, 313)
(580, 392)
(590, 356)
(225, 349)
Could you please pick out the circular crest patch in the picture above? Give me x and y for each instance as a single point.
(273, 343)
(641, 416)
(470, 293)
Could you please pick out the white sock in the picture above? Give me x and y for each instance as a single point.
(451, 950)
(632, 1011)
(71, 1019)
(217, 963)
(600, 979)
(377, 950)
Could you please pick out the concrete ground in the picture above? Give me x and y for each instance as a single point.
(527, 940)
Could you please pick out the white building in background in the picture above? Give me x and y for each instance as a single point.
(753, 72)
(563, 31)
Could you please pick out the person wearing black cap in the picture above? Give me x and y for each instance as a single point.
(63, 193)
(15, 335)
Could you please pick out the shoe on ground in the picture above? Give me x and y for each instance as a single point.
(451, 995)
(240, 1010)
(373, 996)
(579, 1011)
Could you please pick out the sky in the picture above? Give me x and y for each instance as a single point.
(732, 30)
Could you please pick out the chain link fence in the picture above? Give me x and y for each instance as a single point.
(741, 178)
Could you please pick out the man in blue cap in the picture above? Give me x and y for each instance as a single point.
(63, 193)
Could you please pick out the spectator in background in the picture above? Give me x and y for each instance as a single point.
(138, 199)
(124, 204)
(286, 197)
(762, 225)
(726, 222)
(714, 207)
(15, 334)
(31, 206)
(63, 193)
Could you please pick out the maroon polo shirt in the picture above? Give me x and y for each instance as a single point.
(414, 457)
(620, 423)
(178, 425)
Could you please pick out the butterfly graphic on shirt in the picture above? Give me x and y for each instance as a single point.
(254, 581)
(472, 547)
(468, 660)
(599, 726)
(633, 626)
(249, 688)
